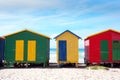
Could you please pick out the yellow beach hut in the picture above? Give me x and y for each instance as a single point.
(67, 48)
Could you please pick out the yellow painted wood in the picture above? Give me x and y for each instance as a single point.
(19, 50)
(72, 47)
(31, 50)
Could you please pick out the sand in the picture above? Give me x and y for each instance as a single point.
(59, 74)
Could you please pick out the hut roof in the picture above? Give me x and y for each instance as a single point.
(103, 32)
(69, 32)
(27, 31)
(2, 38)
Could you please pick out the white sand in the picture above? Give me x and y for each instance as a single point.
(59, 74)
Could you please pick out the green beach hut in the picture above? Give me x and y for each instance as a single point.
(26, 47)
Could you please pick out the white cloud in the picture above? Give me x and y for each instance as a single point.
(8, 29)
(28, 4)
(103, 8)
(109, 17)
(7, 16)
(54, 24)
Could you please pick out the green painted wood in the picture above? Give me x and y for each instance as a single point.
(42, 49)
(104, 50)
(116, 50)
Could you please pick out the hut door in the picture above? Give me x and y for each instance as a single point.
(104, 50)
(116, 50)
(19, 50)
(62, 50)
(31, 50)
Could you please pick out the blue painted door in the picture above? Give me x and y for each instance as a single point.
(62, 50)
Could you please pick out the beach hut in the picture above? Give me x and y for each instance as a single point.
(26, 47)
(103, 48)
(2, 47)
(67, 48)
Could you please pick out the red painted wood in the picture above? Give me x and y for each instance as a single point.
(92, 51)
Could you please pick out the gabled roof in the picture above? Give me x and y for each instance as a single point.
(103, 32)
(27, 31)
(2, 38)
(69, 32)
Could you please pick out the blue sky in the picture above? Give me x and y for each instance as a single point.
(51, 17)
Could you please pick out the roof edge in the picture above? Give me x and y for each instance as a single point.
(2, 37)
(68, 31)
(28, 31)
(101, 32)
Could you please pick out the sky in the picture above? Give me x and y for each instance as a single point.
(52, 17)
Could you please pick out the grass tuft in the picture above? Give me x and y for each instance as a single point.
(97, 67)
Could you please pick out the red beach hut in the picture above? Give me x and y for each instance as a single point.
(103, 48)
